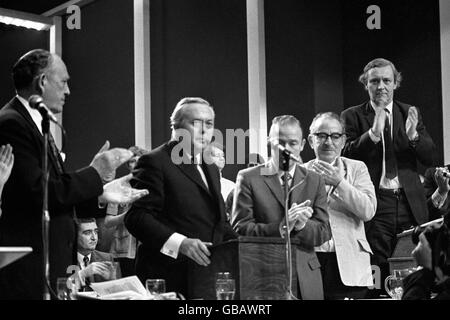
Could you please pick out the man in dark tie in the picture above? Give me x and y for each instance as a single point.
(259, 204)
(185, 213)
(95, 266)
(42, 73)
(389, 137)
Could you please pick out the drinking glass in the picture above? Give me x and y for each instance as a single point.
(64, 288)
(155, 286)
(394, 283)
(225, 289)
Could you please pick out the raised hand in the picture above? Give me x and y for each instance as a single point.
(441, 181)
(411, 123)
(196, 250)
(330, 174)
(119, 191)
(107, 161)
(96, 268)
(6, 164)
(379, 122)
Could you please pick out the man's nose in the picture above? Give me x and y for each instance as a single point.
(381, 85)
(67, 90)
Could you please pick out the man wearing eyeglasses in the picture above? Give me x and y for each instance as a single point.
(259, 204)
(390, 138)
(345, 258)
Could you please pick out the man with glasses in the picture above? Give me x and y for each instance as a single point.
(345, 258)
(259, 204)
(390, 138)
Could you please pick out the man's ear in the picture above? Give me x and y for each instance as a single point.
(40, 83)
(302, 145)
(311, 141)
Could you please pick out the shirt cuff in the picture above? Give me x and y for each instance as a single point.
(373, 137)
(438, 199)
(172, 245)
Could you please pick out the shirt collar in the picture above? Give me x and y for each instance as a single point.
(80, 258)
(34, 114)
(389, 106)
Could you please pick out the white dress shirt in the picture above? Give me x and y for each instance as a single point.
(385, 183)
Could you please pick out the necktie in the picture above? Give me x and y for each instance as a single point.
(201, 172)
(55, 153)
(389, 155)
(284, 181)
(86, 261)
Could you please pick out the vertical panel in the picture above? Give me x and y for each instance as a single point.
(142, 88)
(256, 77)
(444, 9)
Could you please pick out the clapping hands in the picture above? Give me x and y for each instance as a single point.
(119, 191)
(6, 164)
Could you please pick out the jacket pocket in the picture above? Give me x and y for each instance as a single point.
(314, 263)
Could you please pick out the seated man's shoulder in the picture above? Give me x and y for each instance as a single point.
(353, 162)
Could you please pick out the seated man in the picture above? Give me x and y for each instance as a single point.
(95, 266)
(345, 258)
(437, 186)
(259, 204)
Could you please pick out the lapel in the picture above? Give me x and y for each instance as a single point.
(189, 169)
(298, 184)
(20, 108)
(270, 176)
(369, 114)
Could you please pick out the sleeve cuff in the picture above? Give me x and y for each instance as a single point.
(438, 199)
(172, 245)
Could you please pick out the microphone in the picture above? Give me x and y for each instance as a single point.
(285, 151)
(36, 102)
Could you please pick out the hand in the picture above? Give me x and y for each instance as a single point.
(411, 123)
(441, 181)
(196, 250)
(299, 214)
(119, 191)
(379, 122)
(96, 268)
(6, 164)
(107, 161)
(330, 174)
(422, 252)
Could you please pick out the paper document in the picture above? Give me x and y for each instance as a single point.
(120, 285)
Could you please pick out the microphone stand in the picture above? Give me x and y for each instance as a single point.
(284, 158)
(45, 212)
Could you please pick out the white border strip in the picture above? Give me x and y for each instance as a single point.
(444, 11)
(142, 112)
(257, 77)
(56, 47)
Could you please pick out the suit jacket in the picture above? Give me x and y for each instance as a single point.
(178, 201)
(99, 256)
(359, 119)
(20, 224)
(258, 209)
(430, 186)
(349, 205)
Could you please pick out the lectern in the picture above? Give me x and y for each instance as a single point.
(258, 264)
(11, 254)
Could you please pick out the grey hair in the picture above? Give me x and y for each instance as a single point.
(282, 121)
(178, 114)
(329, 115)
(380, 63)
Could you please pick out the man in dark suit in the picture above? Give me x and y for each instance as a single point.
(40, 72)
(258, 208)
(437, 186)
(185, 212)
(389, 137)
(96, 266)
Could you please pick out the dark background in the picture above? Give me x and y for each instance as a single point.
(315, 51)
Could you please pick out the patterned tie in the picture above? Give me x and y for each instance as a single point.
(284, 181)
(55, 153)
(86, 261)
(389, 156)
